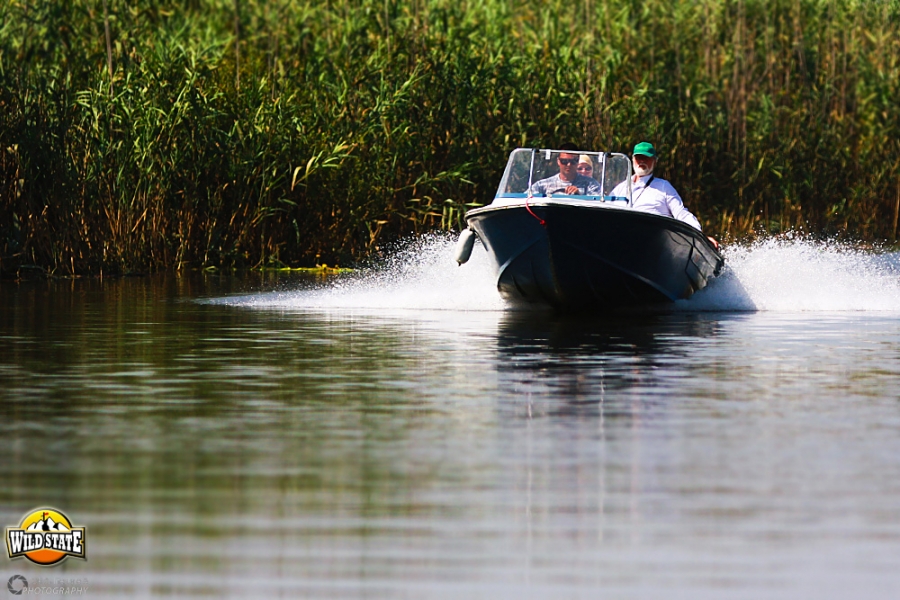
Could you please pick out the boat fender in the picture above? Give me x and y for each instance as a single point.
(464, 246)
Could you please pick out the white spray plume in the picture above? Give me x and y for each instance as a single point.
(778, 274)
(795, 274)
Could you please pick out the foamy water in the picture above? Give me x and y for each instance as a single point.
(420, 274)
(802, 275)
(773, 275)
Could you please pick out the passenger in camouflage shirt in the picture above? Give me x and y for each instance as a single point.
(568, 180)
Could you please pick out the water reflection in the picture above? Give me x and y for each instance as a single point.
(579, 365)
(215, 448)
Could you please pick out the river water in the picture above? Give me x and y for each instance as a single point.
(398, 433)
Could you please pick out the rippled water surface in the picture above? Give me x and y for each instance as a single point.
(399, 434)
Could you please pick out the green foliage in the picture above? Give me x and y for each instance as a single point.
(253, 132)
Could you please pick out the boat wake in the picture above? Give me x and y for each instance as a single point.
(419, 274)
(791, 274)
(783, 274)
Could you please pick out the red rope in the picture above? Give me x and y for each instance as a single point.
(531, 212)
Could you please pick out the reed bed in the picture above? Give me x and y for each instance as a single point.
(149, 134)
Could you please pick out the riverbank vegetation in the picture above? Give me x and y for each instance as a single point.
(154, 134)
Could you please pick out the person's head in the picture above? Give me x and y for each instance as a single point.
(585, 166)
(568, 161)
(644, 158)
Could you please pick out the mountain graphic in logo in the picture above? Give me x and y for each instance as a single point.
(47, 524)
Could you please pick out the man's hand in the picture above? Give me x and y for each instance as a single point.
(571, 190)
(713, 241)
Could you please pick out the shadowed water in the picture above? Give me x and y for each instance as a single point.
(398, 434)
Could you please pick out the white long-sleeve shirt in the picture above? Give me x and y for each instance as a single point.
(659, 197)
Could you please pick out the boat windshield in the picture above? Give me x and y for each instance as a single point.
(604, 176)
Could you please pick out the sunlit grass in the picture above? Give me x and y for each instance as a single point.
(257, 133)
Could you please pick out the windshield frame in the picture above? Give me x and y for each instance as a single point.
(540, 166)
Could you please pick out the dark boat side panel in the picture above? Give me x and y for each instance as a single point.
(587, 257)
(519, 245)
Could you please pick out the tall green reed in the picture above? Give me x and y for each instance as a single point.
(216, 132)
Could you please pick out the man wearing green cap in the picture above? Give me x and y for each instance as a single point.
(652, 194)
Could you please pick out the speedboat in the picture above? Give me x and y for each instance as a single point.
(585, 250)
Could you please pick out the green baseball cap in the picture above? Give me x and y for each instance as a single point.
(645, 149)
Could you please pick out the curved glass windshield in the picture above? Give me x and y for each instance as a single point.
(566, 174)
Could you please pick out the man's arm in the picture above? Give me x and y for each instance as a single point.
(538, 188)
(677, 208)
(621, 190)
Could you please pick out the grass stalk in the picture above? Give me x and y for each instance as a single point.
(333, 128)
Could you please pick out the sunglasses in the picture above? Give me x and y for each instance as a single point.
(583, 167)
(567, 161)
